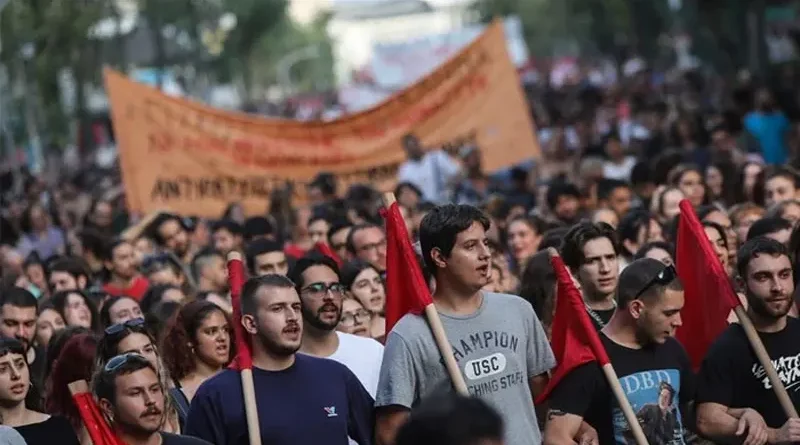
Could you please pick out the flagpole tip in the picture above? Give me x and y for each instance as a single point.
(234, 256)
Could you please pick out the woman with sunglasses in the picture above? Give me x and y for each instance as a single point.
(196, 347)
(15, 382)
(133, 336)
(76, 309)
(364, 283)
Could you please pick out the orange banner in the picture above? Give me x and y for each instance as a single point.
(191, 159)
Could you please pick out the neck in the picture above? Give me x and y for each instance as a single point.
(131, 438)
(203, 370)
(203, 285)
(621, 332)
(764, 324)
(268, 360)
(319, 342)
(456, 298)
(600, 302)
(14, 415)
(377, 326)
(122, 282)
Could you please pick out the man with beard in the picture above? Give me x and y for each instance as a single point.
(735, 399)
(170, 233)
(209, 271)
(124, 277)
(301, 399)
(316, 278)
(18, 314)
(640, 344)
(132, 398)
(590, 252)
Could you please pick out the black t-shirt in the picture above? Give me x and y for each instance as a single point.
(600, 318)
(732, 376)
(658, 381)
(174, 439)
(35, 397)
(55, 430)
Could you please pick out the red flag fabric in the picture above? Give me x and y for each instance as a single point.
(244, 357)
(326, 250)
(406, 289)
(96, 426)
(709, 296)
(574, 339)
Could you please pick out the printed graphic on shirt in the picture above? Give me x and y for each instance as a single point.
(495, 368)
(788, 369)
(653, 395)
(331, 410)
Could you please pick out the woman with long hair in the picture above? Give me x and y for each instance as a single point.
(196, 346)
(524, 234)
(133, 336)
(538, 287)
(75, 362)
(48, 323)
(691, 181)
(364, 283)
(76, 309)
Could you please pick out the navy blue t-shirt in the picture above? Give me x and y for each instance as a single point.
(313, 401)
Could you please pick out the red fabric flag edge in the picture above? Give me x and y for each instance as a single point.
(244, 357)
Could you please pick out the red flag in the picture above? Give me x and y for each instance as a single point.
(406, 289)
(244, 357)
(96, 426)
(574, 339)
(326, 250)
(709, 296)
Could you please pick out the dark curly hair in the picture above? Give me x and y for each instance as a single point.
(75, 362)
(182, 331)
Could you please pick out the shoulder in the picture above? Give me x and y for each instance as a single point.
(174, 439)
(363, 344)
(308, 363)
(409, 326)
(729, 342)
(220, 383)
(508, 302)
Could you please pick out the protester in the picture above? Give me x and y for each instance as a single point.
(590, 251)
(119, 309)
(481, 326)
(658, 379)
(18, 316)
(48, 323)
(68, 273)
(363, 282)
(76, 309)
(159, 294)
(123, 277)
(15, 381)
(734, 398)
(209, 271)
(171, 234)
(338, 234)
(368, 242)
(132, 397)
(289, 386)
(165, 268)
(266, 256)
(75, 362)
(227, 236)
(316, 279)
(524, 236)
(356, 319)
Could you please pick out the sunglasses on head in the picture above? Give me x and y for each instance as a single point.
(666, 276)
(115, 329)
(119, 361)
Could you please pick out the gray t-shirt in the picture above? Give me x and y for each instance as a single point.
(498, 348)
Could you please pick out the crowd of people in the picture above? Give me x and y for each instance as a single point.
(140, 306)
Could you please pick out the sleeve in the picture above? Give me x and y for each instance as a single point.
(361, 415)
(398, 381)
(717, 377)
(576, 391)
(540, 356)
(204, 421)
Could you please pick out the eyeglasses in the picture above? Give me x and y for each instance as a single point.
(319, 290)
(119, 361)
(349, 320)
(666, 276)
(373, 246)
(115, 329)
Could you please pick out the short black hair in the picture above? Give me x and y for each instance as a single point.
(111, 246)
(663, 245)
(782, 171)
(104, 385)
(631, 223)
(638, 275)
(606, 186)
(259, 247)
(252, 286)
(765, 226)
(18, 297)
(310, 260)
(159, 221)
(351, 270)
(74, 266)
(200, 260)
(553, 238)
(557, 189)
(351, 247)
(580, 234)
(337, 225)
(754, 247)
(451, 420)
(325, 182)
(440, 227)
(257, 226)
(228, 224)
(640, 174)
(409, 186)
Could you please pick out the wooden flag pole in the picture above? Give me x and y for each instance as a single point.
(248, 387)
(435, 323)
(624, 404)
(766, 363)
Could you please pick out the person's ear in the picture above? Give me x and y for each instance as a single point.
(438, 258)
(107, 409)
(249, 324)
(636, 308)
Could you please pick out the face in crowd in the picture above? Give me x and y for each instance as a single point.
(48, 323)
(355, 318)
(174, 237)
(212, 340)
(600, 269)
(370, 245)
(123, 261)
(523, 240)
(369, 291)
(136, 405)
(18, 323)
(769, 285)
(276, 321)
(470, 261)
(321, 296)
(15, 379)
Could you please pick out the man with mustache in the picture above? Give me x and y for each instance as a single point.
(735, 400)
(301, 399)
(316, 278)
(132, 399)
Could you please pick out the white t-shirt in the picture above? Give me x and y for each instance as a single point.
(621, 171)
(361, 355)
(430, 174)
